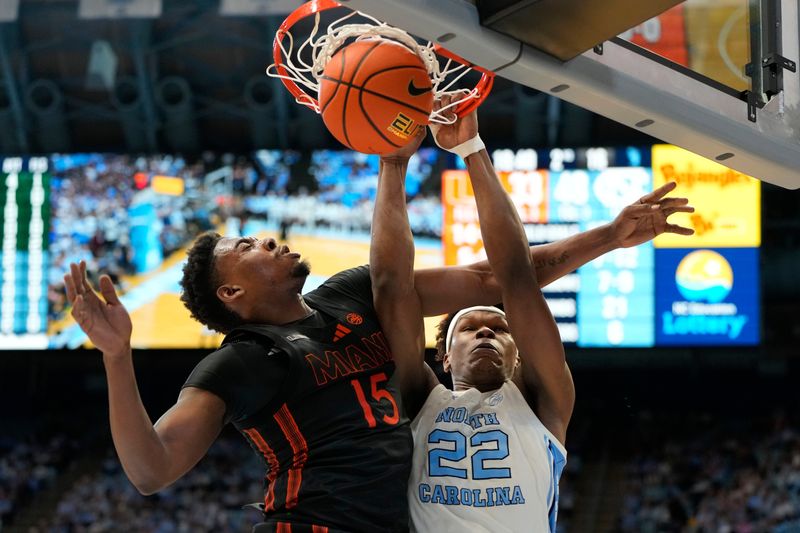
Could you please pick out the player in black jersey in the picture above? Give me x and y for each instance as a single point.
(308, 380)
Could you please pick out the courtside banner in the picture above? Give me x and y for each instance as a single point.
(707, 296)
(727, 203)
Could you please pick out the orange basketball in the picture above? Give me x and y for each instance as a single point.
(374, 95)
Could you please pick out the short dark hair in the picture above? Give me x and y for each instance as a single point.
(200, 282)
(441, 336)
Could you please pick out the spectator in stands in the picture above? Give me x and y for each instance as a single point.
(719, 477)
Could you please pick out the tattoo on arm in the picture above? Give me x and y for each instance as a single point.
(551, 261)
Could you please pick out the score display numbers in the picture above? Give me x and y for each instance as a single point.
(25, 220)
(641, 296)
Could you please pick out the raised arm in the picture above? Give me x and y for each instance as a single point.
(545, 377)
(446, 289)
(546, 381)
(391, 259)
(152, 456)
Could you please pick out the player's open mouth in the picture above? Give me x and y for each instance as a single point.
(284, 250)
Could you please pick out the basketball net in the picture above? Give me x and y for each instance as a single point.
(324, 46)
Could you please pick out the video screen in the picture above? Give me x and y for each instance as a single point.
(133, 218)
(671, 291)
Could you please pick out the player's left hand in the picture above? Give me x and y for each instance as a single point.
(647, 217)
(403, 154)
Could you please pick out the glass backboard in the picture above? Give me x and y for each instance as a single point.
(683, 77)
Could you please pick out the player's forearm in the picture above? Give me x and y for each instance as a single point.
(392, 244)
(503, 235)
(448, 289)
(139, 448)
(557, 259)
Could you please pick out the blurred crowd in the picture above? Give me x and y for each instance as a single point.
(98, 201)
(308, 214)
(209, 498)
(340, 194)
(726, 477)
(566, 493)
(92, 197)
(27, 467)
(702, 474)
(214, 496)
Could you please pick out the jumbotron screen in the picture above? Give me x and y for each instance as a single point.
(133, 218)
(672, 291)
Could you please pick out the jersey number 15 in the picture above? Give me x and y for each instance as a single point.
(377, 394)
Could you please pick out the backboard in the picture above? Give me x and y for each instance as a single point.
(703, 98)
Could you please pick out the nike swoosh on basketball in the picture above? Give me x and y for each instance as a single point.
(416, 91)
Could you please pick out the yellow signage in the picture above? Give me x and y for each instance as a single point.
(167, 185)
(727, 203)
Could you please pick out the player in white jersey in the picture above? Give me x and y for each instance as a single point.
(488, 455)
(483, 460)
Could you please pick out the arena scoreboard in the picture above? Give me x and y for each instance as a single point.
(25, 222)
(675, 290)
(701, 290)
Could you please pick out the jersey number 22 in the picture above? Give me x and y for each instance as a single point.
(492, 446)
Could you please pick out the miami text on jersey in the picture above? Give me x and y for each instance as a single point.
(364, 354)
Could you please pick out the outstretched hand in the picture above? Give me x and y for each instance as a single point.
(647, 217)
(464, 128)
(105, 321)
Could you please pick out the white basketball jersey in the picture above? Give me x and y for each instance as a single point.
(483, 462)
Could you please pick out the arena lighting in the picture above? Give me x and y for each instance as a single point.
(45, 101)
(238, 8)
(174, 98)
(9, 10)
(119, 9)
(128, 101)
(102, 70)
(9, 137)
(259, 97)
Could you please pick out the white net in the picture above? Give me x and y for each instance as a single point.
(305, 74)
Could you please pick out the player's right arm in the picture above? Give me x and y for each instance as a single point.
(391, 259)
(546, 380)
(153, 456)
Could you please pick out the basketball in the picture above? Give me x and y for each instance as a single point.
(374, 95)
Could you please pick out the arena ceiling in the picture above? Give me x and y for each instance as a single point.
(191, 80)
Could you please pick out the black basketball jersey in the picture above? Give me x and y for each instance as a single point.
(335, 439)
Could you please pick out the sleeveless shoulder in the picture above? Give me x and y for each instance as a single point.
(245, 375)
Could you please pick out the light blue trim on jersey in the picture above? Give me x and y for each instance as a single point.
(557, 463)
